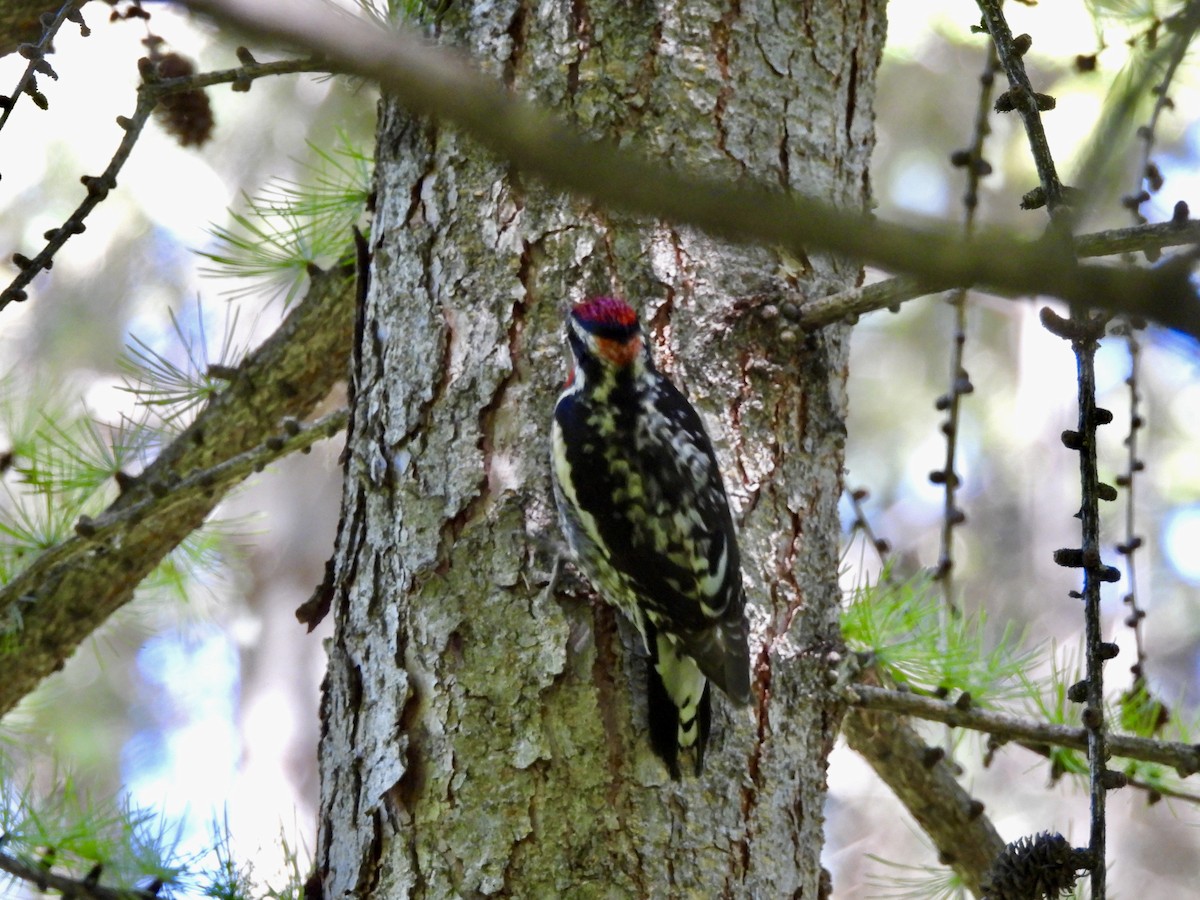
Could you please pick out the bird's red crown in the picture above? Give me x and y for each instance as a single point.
(605, 312)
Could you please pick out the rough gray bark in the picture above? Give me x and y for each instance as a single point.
(482, 735)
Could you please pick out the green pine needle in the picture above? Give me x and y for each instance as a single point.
(84, 455)
(293, 226)
(235, 880)
(71, 833)
(60, 826)
(175, 390)
(340, 186)
(30, 523)
(904, 628)
(911, 882)
(229, 879)
(1047, 697)
(1141, 712)
(26, 404)
(62, 464)
(193, 565)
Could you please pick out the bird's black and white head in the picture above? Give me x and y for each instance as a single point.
(607, 342)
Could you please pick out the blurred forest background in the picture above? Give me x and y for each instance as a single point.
(200, 699)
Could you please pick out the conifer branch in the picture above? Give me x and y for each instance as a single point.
(87, 888)
(70, 589)
(433, 82)
(23, 20)
(35, 52)
(216, 479)
(916, 773)
(1022, 98)
(1084, 330)
(960, 382)
(861, 523)
(151, 93)
(890, 293)
(1183, 758)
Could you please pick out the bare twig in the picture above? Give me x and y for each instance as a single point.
(35, 55)
(1141, 237)
(150, 94)
(1129, 546)
(960, 381)
(172, 492)
(82, 888)
(1184, 758)
(863, 524)
(1181, 34)
(892, 292)
(1153, 792)
(1084, 330)
(434, 82)
(1148, 180)
(1023, 99)
(852, 303)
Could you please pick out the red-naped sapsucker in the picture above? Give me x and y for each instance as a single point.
(642, 505)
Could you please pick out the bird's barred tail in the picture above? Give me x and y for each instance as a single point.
(679, 703)
(722, 651)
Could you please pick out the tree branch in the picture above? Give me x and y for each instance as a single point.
(21, 22)
(892, 292)
(69, 590)
(965, 838)
(79, 888)
(1023, 99)
(35, 53)
(150, 94)
(1184, 758)
(1137, 238)
(216, 479)
(437, 83)
(960, 382)
(1084, 329)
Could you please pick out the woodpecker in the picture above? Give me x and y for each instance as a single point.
(642, 505)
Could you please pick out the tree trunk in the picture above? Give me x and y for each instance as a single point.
(483, 734)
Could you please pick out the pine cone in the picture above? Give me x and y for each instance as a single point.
(188, 117)
(1032, 868)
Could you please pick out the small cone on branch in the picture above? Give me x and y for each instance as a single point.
(1042, 867)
